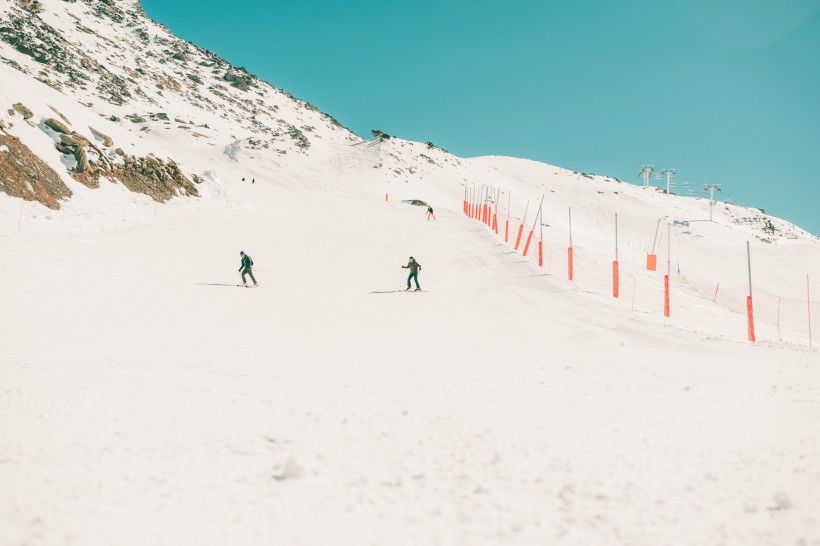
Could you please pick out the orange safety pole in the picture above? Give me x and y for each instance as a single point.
(540, 241)
(537, 215)
(385, 196)
(507, 223)
(808, 304)
(529, 238)
(489, 219)
(521, 227)
(518, 238)
(483, 211)
(668, 266)
(495, 214)
(750, 316)
(569, 249)
(749, 306)
(489, 208)
(615, 277)
(474, 204)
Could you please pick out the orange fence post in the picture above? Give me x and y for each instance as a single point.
(507, 230)
(521, 227)
(529, 238)
(385, 196)
(569, 263)
(615, 280)
(518, 238)
(668, 269)
(750, 317)
(808, 303)
(537, 215)
(540, 255)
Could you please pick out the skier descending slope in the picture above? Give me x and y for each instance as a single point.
(245, 269)
(414, 268)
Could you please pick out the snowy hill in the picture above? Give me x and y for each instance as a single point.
(146, 399)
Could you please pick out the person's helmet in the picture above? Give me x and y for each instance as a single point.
(412, 258)
(241, 253)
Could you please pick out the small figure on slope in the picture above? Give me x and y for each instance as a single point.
(430, 213)
(245, 269)
(414, 268)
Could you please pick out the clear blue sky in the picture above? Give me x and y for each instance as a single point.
(725, 91)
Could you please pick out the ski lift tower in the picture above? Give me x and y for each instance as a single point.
(711, 188)
(670, 173)
(646, 172)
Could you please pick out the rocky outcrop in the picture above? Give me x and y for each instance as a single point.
(24, 175)
(21, 109)
(57, 126)
(161, 180)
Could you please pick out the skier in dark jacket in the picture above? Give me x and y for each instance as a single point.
(245, 269)
(414, 268)
(430, 213)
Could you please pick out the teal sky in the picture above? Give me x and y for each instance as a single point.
(724, 91)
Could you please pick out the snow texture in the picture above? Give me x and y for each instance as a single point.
(145, 399)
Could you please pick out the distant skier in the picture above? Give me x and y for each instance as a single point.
(414, 268)
(253, 181)
(430, 213)
(245, 269)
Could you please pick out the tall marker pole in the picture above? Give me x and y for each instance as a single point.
(521, 227)
(537, 215)
(652, 258)
(808, 304)
(615, 272)
(541, 239)
(487, 210)
(749, 304)
(483, 216)
(569, 249)
(507, 224)
(668, 268)
(495, 214)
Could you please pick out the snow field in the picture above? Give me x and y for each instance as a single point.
(145, 402)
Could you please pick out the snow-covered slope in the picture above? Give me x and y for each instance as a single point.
(145, 399)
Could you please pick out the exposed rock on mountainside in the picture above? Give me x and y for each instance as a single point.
(107, 56)
(24, 175)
